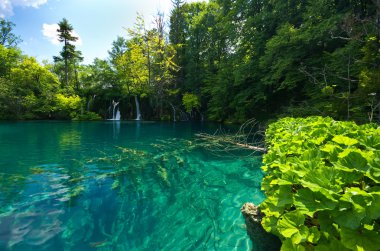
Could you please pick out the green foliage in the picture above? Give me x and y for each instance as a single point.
(322, 184)
(27, 88)
(242, 59)
(69, 55)
(7, 37)
(68, 106)
(87, 116)
(190, 102)
(264, 59)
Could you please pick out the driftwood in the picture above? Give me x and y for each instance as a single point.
(223, 139)
(249, 136)
(261, 240)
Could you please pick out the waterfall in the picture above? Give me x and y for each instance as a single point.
(89, 101)
(174, 120)
(138, 113)
(117, 115)
(115, 112)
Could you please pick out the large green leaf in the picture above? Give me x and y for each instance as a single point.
(323, 177)
(309, 202)
(290, 223)
(371, 141)
(269, 223)
(283, 196)
(374, 170)
(332, 244)
(335, 185)
(288, 245)
(353, 159)
(373, 210)
(359, 240)
(352, 208)
(343, 140)
(314, 235)
(301, 235)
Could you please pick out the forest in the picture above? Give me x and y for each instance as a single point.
(313, 66)
(225, 61)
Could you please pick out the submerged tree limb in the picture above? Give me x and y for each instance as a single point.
(249, 136)
(223, 139)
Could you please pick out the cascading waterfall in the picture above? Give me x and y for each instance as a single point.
(138, 113)
(117, 115)
(173, 107)
(115, 112)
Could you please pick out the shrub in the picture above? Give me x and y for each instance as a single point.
(322, 184)
(190, 102)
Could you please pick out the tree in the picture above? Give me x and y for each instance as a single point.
(27, 89)
(7, 37)
(177, 38)
(119, 46)
(68, 53)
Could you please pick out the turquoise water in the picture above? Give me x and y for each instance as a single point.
(121, 186)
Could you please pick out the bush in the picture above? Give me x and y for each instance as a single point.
(322, 184)
(67, 106)
(88, 116)
(190, 102)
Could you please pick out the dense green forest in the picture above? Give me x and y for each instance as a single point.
(222, 60)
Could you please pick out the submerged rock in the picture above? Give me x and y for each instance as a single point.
(261, 239)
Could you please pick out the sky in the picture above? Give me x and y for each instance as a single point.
(97, 23)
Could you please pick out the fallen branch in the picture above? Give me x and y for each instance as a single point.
(221, 141)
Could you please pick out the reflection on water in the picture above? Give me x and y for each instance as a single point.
(120, 186)
(116, 128)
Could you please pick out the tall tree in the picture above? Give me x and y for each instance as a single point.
(177, 38)
(68, 53)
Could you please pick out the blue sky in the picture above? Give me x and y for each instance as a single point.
(96, 22)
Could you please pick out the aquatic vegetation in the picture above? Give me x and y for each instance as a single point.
(322, 184)
(125, 193)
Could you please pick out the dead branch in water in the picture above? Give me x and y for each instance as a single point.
(249, 136)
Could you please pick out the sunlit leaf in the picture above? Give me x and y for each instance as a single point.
(290, 223)
(343, 140)
(353, 159)
(310, 202)
(360, 239)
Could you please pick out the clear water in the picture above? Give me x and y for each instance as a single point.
(121, 186)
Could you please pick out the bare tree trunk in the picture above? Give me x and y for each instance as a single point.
(377, 20)
(349, 87)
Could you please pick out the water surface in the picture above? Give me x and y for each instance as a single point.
(121, 186)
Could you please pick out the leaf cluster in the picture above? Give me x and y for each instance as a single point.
(322, 184)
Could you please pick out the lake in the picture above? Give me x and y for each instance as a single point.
(119, 185)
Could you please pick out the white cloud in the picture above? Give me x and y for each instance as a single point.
(28, 3)
(6, 6)
(50, 32)
(79, 41)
